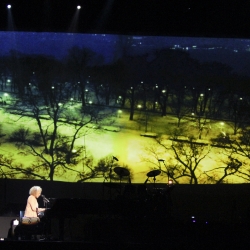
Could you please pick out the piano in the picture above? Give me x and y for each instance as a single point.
(146, 206)
(61, 209)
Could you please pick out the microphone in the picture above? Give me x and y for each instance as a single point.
(161, 160)
(115, 158)
(44, 198)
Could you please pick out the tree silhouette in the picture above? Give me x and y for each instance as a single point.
(179, 104)
(135, 69)
(78, 62)
(232, 167)
(52, 141)
(188, 156)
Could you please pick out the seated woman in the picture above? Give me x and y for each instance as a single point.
(32, 208)
(30, 223)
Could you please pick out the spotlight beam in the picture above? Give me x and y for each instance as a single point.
(10, 23)
(74, 22)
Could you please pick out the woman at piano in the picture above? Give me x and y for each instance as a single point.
(32, 209)
(31, 216)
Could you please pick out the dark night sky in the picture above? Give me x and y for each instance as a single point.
(214, 18)
(232, 51)
(219, 29)
(55, 44)
(51, 19)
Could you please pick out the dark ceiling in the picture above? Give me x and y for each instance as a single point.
(208, 18)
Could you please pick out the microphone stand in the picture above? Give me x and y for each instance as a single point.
(110, 174)
(161, 160)
(110, 169)
(104, 181)
(45, 204)
(47, 225)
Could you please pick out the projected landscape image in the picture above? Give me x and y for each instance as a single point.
(100, 107)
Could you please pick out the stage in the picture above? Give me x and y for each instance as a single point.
(148, 236)
(189, 217)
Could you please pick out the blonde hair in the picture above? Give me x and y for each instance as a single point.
(34, 189)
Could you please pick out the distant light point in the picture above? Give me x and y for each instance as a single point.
(9, 6)
(78, 7)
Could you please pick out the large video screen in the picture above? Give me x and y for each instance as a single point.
(123, 108)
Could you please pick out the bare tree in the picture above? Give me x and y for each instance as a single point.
(239, 114)
(201, 124)
(78, 62)
(188, 156)
(10, 169)
(241, 148)
(59, 126)
(231, 168)
(180, 162)
(105, 170)
(179, 104)
(134, 70)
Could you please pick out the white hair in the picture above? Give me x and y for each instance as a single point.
(34, 189)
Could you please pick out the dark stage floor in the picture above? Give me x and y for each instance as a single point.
(148, 235)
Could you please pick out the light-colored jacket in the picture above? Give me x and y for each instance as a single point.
(31, 209)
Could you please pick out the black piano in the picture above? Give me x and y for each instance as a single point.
(60, 210)
(106, 213)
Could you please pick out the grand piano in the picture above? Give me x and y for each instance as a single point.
(123, 210)
(66, 217)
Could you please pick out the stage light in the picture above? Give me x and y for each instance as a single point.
(10, 23)
(15, 222)
(74, 23)
(193, 219)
